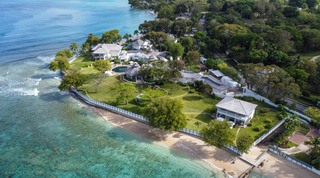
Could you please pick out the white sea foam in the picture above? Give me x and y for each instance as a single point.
(46, 59)
(19, 86)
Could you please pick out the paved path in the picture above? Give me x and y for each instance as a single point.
(313, 59)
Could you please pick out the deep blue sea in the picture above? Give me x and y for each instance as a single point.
(47, 133)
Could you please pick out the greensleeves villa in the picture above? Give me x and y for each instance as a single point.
(237, 111)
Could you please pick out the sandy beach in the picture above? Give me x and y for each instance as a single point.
(274, 166)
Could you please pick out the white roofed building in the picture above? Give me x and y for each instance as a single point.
(189, 76)
(140, 44)
(235, 110)
(104, 51)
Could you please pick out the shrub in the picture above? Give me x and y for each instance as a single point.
(190, 83)
(268, 126)
(306, 93)
(263, 110)
(116, 61)
(267, 121)
(257, 129)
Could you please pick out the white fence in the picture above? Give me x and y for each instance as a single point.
(275, 150)
(109, 107)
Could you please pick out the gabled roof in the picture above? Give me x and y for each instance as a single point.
(190, 75)
(217, 73)
(237, 106)
(106, 48)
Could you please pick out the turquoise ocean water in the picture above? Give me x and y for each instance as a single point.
(45, 132)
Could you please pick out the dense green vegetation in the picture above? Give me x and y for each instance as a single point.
(268, 43)
(280, 36)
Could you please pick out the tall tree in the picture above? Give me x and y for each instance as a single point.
(73, 47)
(217, 133)
(150, 94)
(72, 79)
(96, 81)
(125, 92)
(292, 123)
(271, 81)
(111, 36)
(60, 62)
(313, 112)
(244, 142)
(166, 113)
(315, 152)
(193, 57)
(176, 50)
(102, 65)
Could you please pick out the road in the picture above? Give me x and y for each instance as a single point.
(299, 106)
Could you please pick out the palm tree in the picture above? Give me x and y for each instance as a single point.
(315, 143)
(73, 47)
(136, 32)
(126, 36)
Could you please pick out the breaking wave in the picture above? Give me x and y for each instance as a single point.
(19, 87)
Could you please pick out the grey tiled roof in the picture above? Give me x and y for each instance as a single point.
(237, 106)
(107, 48)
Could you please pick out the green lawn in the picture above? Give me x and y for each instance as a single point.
(302, 156)
(198, 107)
(82, 62)
(304, 129)
(84, 65)
(265, 118)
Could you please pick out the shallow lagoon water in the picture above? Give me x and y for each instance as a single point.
(47, 133)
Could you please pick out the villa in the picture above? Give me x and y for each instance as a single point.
(235, 110)
(140, 44)
(105, 51)
(189, 76)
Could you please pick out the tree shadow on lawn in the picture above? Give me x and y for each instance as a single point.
(192, 98)
(204, 117)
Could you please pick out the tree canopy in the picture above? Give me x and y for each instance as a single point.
(111, 36)
(271, 81)
(102, 65)
(313, 112)
(244, 142)
(72, 79)
(217, 133)
(166, 113)
(61, 61)
(125, 92)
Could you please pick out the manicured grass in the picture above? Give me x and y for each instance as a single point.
(82, 62)
(291, 144)
(265, 118)
(197, 102)
(304, 129)
(84, 65)
(302, 156)
(201, 118)
(175, 90)
(198, 107)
